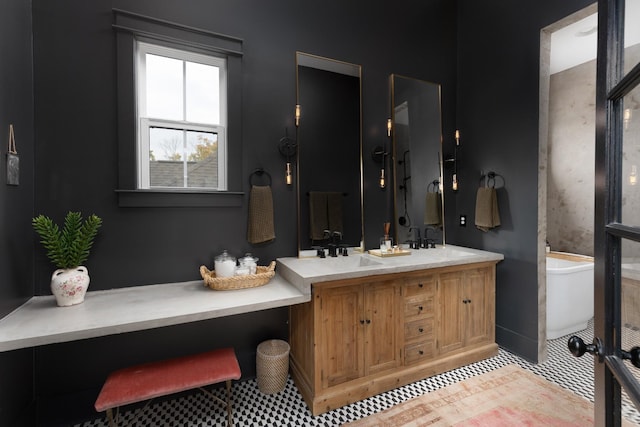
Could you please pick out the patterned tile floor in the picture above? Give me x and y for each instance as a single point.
(252, 408)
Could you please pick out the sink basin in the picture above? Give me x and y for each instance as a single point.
(348, 262)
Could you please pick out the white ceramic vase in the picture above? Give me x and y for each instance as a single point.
(70, 285)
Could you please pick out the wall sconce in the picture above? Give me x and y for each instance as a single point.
(452, 162)
(378, 154)
(633, 176)
(298, 112)
(288, 148)
(389, 127)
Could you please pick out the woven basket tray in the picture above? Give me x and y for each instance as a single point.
(262, 277)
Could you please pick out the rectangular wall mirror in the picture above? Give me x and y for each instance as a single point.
(329, 153)
(418, 166)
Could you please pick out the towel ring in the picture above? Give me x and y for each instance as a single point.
(435, 184)
(259, 172)
(491, 179)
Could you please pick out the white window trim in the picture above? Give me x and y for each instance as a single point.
(143, 149)
(145, 123)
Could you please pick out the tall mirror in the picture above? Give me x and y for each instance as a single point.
(418, 166)
(329, 152)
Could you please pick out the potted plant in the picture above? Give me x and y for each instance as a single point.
(67, 249)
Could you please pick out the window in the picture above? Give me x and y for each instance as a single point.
(179, 114)
(181, 105)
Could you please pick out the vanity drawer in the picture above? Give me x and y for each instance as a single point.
(418, 306)
(418, 351)
(420, 286)
(418, 328)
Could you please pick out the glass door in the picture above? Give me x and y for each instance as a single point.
(616, 343)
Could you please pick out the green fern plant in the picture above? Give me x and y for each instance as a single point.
(69, 247)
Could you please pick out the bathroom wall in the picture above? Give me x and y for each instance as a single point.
(16, 202)
(77, 166)
(497, 114)
(571, 159)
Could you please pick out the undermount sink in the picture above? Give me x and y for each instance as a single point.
(349, 262)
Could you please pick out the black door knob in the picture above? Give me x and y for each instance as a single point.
(577, 346)
(633, 355)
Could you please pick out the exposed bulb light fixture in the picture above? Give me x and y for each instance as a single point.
(298, 111)
(383, 182)
(457, 138)
(454, 185)
(389, 127)
(633, 176)
(288, 176)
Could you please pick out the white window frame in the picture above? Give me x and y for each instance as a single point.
(144, 123)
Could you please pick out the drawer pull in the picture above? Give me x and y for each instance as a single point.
(421, 330)
(420, 307)
(420, 352)
(362, 322)
(420, 285)
(368, 321)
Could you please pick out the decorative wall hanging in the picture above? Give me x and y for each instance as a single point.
(13, 161)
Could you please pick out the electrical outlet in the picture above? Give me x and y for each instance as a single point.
(463, 220)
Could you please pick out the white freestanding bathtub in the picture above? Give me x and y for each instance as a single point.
(569, 293)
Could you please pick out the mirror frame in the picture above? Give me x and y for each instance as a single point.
(392, 93)
(337, 66)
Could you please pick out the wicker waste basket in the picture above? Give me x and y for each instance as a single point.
(272, 366)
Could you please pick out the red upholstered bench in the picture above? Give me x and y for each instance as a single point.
(150, 380)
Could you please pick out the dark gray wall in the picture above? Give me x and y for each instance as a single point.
(16, 202)
(497, 114)
(76, 163)
(495, 44)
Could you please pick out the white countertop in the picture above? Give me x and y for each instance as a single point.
(40, 321)
(302, 272)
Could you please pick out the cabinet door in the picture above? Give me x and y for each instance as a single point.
(341, 334)
(451, 313)
(381, 325)
(479, 306)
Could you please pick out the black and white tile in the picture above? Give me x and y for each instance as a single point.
(252, 408)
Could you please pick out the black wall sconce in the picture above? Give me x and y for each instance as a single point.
(379, 155)
(288, 148)
(452, 162)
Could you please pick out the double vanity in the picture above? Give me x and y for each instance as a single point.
(359, 324)
(374, 324)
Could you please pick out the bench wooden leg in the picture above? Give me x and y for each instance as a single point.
(112, 422)
(229, 402)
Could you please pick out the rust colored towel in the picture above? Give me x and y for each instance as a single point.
(487, 214)
(260, 228)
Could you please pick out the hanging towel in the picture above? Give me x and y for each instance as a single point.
(487, 214)
(260, 228)
(433, 209)
(334, 211)
(318, 216)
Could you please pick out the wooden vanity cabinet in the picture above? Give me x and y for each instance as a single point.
(358, 330)
(467, 307)
(360, 337)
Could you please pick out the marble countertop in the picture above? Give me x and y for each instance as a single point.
(40, 321)
(302, 272)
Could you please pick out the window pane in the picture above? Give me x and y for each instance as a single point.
(166, 157)
(203, 93)
(202, 159)
(164, 87)
(631, 34)
(631, 158)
